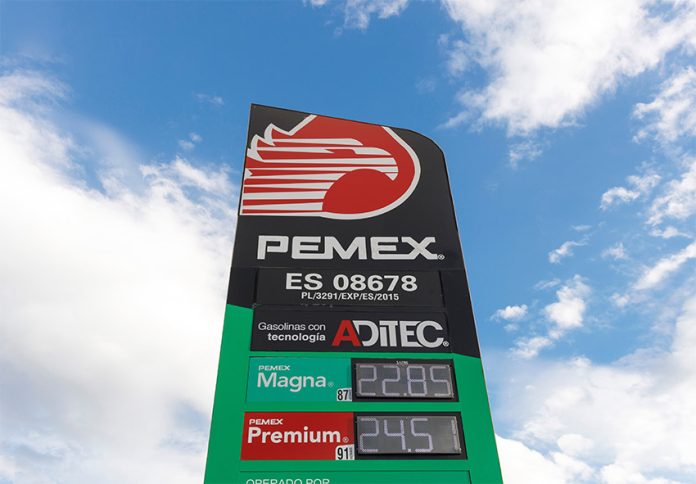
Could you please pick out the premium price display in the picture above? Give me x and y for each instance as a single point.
(399, 379)
(414, 435)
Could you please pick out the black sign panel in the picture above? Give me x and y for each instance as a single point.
(348, 288)
(328, 192)
(336, 214)
(338, 330)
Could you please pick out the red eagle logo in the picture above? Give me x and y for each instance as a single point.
(327, 167)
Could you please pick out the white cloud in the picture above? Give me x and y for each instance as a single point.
(530, 347)
(620, 300)
(564, 315)
(113, 159)
(617, 252)
(457, 52)
(522, 465)
(186, 145)
(549, 60)
(24, 87)
(574, 444)
(617, 474)
(642, 185)
(667, 233)
(527, 150)
(567, 313)
(458, 57)
(630, 420)
(216, 101)
(111, 306)
(547, 284)
(645, 183)
(618, 195)
(426, 85)
(664, 267)
(211, 181)
(190, 143)
(511, 313)
(672, 114)
(565, 250)
(8, 470)
(359, 12)
(679, 198)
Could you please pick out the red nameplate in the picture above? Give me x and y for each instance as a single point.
(298, 436)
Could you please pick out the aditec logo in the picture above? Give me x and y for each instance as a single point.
(386, 334)
(327, 167)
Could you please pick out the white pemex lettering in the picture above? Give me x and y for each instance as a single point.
(362, 248)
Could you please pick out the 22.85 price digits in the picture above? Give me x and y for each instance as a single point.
(403, 379)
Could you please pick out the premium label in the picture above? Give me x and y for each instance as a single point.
(349, 288)
(299, 380)
(284, 330)
(298, 436)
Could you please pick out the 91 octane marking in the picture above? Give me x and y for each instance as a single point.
(297, 281)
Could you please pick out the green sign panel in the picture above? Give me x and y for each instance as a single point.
(349, 350)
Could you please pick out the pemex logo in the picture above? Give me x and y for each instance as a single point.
(327, 167)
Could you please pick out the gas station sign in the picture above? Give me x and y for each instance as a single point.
(349, 350)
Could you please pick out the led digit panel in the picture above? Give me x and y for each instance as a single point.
(379, 379)
(415, 435)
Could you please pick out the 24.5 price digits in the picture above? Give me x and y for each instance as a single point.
(408, 434)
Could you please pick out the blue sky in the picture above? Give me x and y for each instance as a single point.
(569, 133)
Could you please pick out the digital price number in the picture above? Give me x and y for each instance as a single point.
(399, 379)
(412, 434)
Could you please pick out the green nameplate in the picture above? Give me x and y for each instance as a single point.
(299, 380)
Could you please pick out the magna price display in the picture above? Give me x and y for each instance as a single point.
(349, 349)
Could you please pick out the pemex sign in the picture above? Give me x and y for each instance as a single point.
(349, 350)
